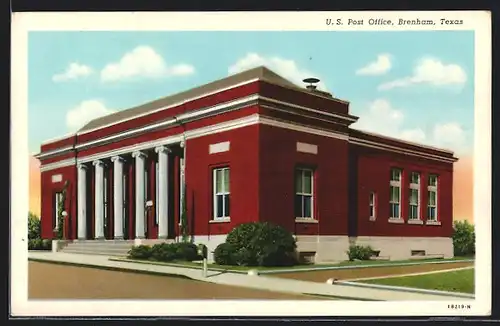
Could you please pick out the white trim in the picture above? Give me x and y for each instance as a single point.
(415, 221)
(434, 189)
(306, 220)
(169, 106)
(222, 193)
(56, 178)
(395, 149)
(314, 131)
(395, 184)
(430, 222)
(220, 220)
(54, 152)
(302, 171)
(300, 115)
(308, 109)
(404, 141)
(219, 147)
(307, 148)
(56, 165)
(396, 220)
(172, 120)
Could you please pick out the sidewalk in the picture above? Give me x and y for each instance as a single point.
(256, 282)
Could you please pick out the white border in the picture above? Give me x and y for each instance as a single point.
(478, 21)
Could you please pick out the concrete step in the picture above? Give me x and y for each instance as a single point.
(99, 245)
(95, 252)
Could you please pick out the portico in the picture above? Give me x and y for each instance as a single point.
(113, 193)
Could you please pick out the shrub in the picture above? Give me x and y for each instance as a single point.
(464, 238)
(166, 252)
(140, 252)
(258, 244)
(224, 254)
(357, 252)
(39, 244)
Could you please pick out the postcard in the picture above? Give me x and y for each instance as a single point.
(277, 163)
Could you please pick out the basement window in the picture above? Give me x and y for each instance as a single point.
(418, 252)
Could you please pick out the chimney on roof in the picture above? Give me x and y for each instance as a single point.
(313, 88)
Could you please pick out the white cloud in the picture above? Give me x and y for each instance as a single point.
(88, 110)
(286, 68)
(382, 118)
(377, 67)
(430, 71)
(143, 61)
(73, 71)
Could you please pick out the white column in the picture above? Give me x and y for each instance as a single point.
(182, 187)
(118, 196)
(82, 202)
(162, 200)
(99, 199)
(139, 194)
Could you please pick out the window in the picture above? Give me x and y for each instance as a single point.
(304, 193)
(57, 201)
(395, 194)
(157, 195)
(432, 190)
(414, 196)
(372, 206)
(221, 193)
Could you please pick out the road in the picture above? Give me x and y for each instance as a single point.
(55, 281)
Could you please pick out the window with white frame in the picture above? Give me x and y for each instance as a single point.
(432, 202)
(304, 195)
(221, 193)
(157, 192)
(395, 194)
(414, 213)
(373, 203)
(57, 202)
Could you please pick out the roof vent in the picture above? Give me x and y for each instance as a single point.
(313, 87)
(311, 82)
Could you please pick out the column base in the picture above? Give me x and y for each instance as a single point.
(163, 237)
(118, 238)
(100, 238)
(84, 238)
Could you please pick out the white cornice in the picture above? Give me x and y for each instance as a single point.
(400, 150)
(53, 152)
(57, 165)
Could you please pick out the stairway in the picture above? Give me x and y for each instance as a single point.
(99, 247)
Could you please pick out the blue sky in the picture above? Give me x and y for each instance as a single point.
(416, 86)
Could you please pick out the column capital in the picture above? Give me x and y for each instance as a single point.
(139, 154)
(117, 158)
(82, 166)
(182, 144)
(97, 162)
(163, 149)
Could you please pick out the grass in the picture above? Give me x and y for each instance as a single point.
(455, 281)
(244, 269)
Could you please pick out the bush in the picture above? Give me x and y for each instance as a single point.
(464, 238)
(356, 252)
(39, 244)
(140, 252)
(258, 244)
(224, 254)
(166, 252)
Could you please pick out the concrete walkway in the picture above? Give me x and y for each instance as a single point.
(256, 282)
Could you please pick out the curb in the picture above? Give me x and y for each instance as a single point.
(365, 266)
(406, 289)
(109, 268)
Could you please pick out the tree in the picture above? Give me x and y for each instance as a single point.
(464, 238)
(33, 226)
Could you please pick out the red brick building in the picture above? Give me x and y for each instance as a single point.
(252, 146)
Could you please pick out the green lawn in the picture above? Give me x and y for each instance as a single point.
(244, 269)
(456, 281)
